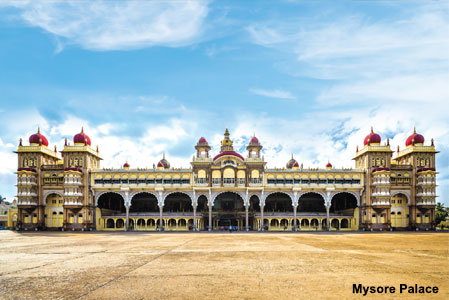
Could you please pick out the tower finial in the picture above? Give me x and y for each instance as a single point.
(55, 149)
(97, 148)
(65, 142)
(398, 149)
(82, 129)
(372, 131)
(38, 130)
(388, 142)
(414, 130)
(163, 155)
(432, 142)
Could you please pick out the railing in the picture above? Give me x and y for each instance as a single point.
(380, 202)
(68, 202)
(425, 202)
(26, 202)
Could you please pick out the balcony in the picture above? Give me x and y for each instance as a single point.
(381, 182)
(27, 202)
(378, 202)
(425, 202)
(201, 182)
(72, 202)
(72, 194)
(380, 194)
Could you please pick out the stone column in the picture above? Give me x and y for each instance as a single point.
(328, 222)
(194, 218)
(127, 217)
(210, 218)
(295, 208)
(261, 218)
(161, 209)
(246, 218)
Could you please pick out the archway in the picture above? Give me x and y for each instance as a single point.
(278, 203)
(110, 223)
(335, 224)
(311, 202)
(54, 205)
(144, 203)
(178, 202)
(111, 204)
(343, 204)
(344, 223)
(228, 210)
(120, 223)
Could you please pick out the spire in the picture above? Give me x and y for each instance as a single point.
(388, 142)
(65, 143)
(372, 131)
(414, 130)
(398, 149)
(357, 149)
(163, 155)
(97, 148)
(38, 130)
(432, 143)
(82, 129)
(20, 141)
(55, 149)
(226, 134)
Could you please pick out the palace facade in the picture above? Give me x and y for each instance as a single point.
(71, 191)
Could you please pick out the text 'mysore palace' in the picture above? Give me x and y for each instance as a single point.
(383, 191)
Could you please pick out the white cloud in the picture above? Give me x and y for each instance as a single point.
(117, 25)
(279, 94)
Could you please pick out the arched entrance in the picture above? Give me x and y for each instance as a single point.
(278, 206)
(202, 212)
(399, 211)
(178, 203)
(343, 204)
(54, 206)
(311, 211)
(254, 213)
(228, 210)
(311, 203)
(144, 204)
(111, 204)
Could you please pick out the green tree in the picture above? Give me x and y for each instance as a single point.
(441, 213)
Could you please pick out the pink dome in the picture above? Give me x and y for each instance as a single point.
(254, 140)
(328, 165)
(81, 138)
(415, 138)
(202, 140)
(126, 165)
(372, 138)
(228, 153)
(38, 138)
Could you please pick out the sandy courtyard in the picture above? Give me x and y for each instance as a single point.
(218, 266)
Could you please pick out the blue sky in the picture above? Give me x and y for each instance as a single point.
(143, 78)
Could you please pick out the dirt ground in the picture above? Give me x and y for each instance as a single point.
(58, 265)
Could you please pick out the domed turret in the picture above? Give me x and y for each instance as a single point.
(254, 147)
(292, 163)
(126, 165)
(202, 141)
(328, 165)
(372, 138)
(414, 139)
(38, 139)
(163, 163)
(81, 138)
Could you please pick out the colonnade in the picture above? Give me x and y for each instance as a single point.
(244, 195)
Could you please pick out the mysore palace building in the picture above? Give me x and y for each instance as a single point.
(69, 191)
